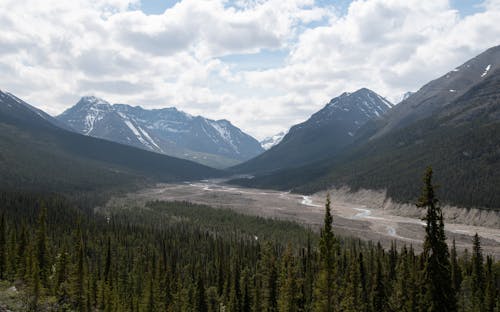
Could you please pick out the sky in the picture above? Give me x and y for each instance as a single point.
(262, 64)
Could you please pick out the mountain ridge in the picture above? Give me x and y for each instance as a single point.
(322, 135)
(167, 130)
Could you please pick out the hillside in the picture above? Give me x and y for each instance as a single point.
(35, 154)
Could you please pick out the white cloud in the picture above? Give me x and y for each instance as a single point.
(52, 52)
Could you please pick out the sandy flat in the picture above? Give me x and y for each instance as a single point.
(349, 219)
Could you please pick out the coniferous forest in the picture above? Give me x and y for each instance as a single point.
(57, 254)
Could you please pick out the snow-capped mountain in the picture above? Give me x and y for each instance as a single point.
(271, 141)
(324, 134)
(442, 91)
(167, 131)
(405, 96)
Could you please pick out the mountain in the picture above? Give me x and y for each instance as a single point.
(168, 131)
(405, 96)
(271, 141)
(323, 135)
(458, 135)
(36, 154)
(440, 92)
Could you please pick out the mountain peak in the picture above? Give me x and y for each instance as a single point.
(165, 130)
(93, 99)
(365, 100)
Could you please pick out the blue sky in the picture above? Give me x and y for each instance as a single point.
(264, 66)
(465, 7)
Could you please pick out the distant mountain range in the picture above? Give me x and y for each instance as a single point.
(38, 153)
(273, 140)
(452, 123)
(323, 135)
(216, 143)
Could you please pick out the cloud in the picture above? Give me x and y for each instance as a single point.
(52, 52)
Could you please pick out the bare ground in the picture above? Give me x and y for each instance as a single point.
(366, 216)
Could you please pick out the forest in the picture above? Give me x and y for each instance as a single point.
(59, 254)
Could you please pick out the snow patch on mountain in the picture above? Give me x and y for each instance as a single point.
(224, 133)
(486, 70)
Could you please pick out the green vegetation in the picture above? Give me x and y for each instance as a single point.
(56, 254)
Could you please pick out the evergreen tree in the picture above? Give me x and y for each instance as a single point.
(379, 294)
(201, 301)
(269, 279)
(288, 292)
(478, 280)
(351, 299)
(41, 248)
(246, 304)
(456, 271)
(78, 276)
(324, 292)
(22, 246)
(438, 294)
(3, 247)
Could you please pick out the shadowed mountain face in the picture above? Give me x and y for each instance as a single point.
(168, 131)
(437, 94)
(37, 154)
(323, 135)
(456, 132)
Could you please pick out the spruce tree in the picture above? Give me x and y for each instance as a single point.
(78, 276)
(3, 247)
(438, 294)
(288, 292)
(269, 279)
(379, 294)
(324, 290)
(41, 248)
(456, 271)
(478, 276)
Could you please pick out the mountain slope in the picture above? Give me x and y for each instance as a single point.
(323, 135)
(437, 94)
(460, 140)
(35, 154)
(168, 131)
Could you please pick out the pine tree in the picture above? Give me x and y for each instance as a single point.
(107, 265)
(78, 276)
(324, 291)
(456, 271)
(288, 292)
(491, 288)
(438, 294)
(351, 298)
(41, 248)
(3, 247)
(22, 247)
(201, 301)
(379, 294)
(269, 279)
(478, 283)
(246, 304)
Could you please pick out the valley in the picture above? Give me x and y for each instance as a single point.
(349, 219)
